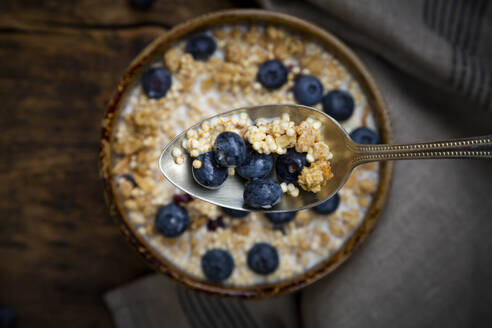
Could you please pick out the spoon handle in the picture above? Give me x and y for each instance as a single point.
(474, 147)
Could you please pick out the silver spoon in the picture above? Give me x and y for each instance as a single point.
(346, 156)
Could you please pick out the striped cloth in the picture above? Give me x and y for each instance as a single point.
(156, 302)
(428, 263)
(447, 43)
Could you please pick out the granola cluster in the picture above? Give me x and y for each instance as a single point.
(202, 140)
(268, 136)
(227, 80)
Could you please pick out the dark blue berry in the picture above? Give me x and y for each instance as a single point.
(182, 198)
(210, 175)
(213, 225)
(141, 4)
(339, 104)
(217, 265)
(234, 213)
(272, 74)
(308, 90)
(328, 206)
(364, 136)
(262, 193)
(263, 258)
(201, 46)
(230, 149)
(156, 81)
(281, 218)
(172, 220)
(256, 165)
(290, 165)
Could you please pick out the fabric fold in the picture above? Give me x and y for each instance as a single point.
(156, 301)
(445, 43)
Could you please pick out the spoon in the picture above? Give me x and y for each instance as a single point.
(346, 156)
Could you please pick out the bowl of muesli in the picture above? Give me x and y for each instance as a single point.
(210, 65)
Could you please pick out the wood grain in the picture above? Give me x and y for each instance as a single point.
(60, 250)
(105, 13)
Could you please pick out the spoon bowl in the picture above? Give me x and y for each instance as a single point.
(346, 155)
(230, 194)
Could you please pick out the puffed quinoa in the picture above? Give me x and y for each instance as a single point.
(177, 152)
(294, 192)
(197, 164)
(227, 80)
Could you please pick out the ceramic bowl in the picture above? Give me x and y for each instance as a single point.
(326, 40)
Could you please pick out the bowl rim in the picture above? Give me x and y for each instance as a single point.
(262, 17)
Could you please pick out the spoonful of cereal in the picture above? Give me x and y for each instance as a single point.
(276, 158)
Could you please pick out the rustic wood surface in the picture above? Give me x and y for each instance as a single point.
(61, 61)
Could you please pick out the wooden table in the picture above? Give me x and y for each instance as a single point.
(60, 63)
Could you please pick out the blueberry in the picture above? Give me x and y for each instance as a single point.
(308, 90)
(217, 265)
(328, 206)
(272, 74)
(290, 165)
(364, 136)
(182, 199)
(263, 258)
(141, 4)
(201, 46)
(281, 218)
(234, 213)
(213, 225)
(339, 104)
(210, 175)
(262, 193)
(156, 81)
(172, 220)
(256, 165)
(230, 149)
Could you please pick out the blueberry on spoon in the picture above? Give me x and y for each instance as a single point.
(229, 149)
(262, 193)
(256, 165)
(290, 165)
(210, 175)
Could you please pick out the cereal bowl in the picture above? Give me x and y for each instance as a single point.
(138, 125)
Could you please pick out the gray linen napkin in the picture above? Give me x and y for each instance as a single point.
(444, 42)
(429, 262)
(155, 302)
